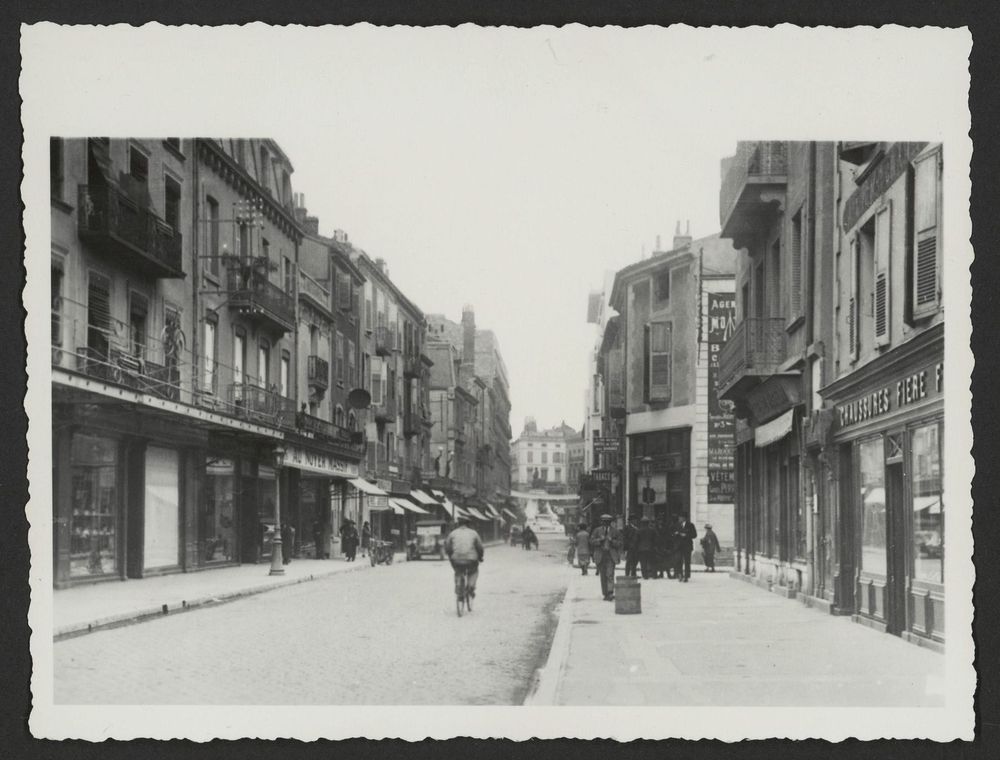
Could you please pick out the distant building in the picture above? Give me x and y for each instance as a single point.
(541, 458)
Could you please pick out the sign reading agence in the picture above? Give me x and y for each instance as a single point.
(906, 391)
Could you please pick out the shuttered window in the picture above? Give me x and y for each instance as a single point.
(660, 360)
(881, 305)
(98, 313)
(852, 303)
(926, 234)
(773, 273)
(368, 314)
(351, 369)
(376, 386)
(795, 269)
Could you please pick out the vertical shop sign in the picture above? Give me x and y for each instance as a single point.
(721, 423)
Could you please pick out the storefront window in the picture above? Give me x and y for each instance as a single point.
(161, 523)
(928, 505)
(872, 481)
(93, 542)
(266, 494)
(218, 516)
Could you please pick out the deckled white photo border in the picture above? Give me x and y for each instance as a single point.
(785, 82)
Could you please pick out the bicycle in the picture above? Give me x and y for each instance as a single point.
(463, 594)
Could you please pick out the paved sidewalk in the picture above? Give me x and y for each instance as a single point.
(718, 641)
(91, 607)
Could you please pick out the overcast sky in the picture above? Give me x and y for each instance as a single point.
(510, 177)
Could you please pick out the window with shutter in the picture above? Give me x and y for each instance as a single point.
(852, 303)
(99, 314)
(926, 228)
(795, 269)
(376, 386)
(773, 272)
(659, 361)
(368, 314)
(881, 305)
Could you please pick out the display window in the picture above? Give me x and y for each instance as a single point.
(94, 520)
(871, 471)
(161, 529)
(926, 487)
(218, 511)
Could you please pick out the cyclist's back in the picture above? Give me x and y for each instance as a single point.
(465, 550)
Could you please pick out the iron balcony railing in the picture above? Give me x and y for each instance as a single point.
(266, 407)
(315, 292)
(106, 213)
(412, 364)
(385, 411)
(385, 341)
(330, 432)
(756, 347)
(250, 291)
(753, 161)
(318, 372)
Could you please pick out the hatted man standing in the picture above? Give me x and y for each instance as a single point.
(606, 546)
(685, 534)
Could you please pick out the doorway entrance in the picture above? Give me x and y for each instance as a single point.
(896, 529)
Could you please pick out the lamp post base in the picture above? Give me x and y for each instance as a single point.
(277, 566)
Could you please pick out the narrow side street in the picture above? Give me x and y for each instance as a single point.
(719, 641)
(335, 640)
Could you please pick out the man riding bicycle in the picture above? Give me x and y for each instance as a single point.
(465, 550)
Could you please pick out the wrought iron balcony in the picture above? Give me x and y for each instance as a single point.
(128, 231)
(260, 405)
(328, 432)
(754, 184)
(386, 411)
(753, 353)
(252, 294)
(413, 365)
(385, 341)
(122, 368)
(310, 290)
(318, 372)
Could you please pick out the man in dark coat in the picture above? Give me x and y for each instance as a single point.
(606, 546)
(349, 540)
(709, 546)
(629, 537)
(685, 535)
(646, 548)
(663, 550)
(287, 543)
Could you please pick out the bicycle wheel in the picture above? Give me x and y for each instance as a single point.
(460, 595)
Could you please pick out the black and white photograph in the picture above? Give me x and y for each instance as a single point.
(409, 383)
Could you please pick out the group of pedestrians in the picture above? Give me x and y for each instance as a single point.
(656, 550)
(350, 538)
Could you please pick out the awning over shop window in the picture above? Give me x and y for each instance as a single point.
(477, 514)
(366, 487)
(408, 505)
(423, 497)
(510, 514)
(774, 431)
(492, 512)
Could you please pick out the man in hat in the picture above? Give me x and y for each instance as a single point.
(646, 548)
(606, 546)
(685, 534)
(465, 550)
(582, 542)
(709, 546)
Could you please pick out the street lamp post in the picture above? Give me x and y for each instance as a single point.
(277, 566)
(648, 494)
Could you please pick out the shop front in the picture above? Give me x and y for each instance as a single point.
(888, 432)
(661, 474)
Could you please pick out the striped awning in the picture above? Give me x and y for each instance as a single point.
(363, 485)
(422, 497)
(477, 514)
(406, 505)
(492, 512)
(510, 514)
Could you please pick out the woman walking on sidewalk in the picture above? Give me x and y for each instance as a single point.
(582, 540)
(709, 546)
(349, 540)
(366, 538)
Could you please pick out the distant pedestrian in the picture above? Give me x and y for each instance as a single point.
(528, 538)
(582, 540)
(629, 538)
(663, 552)
(349, 540)
(646, 548)
(606, 546)
(287, 543)
(685, 535)
(709, 546)
(366, 538)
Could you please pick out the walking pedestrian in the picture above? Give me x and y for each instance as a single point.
(629, 539)
(606, 546)
(709, 546)
(662, 555)
(582, 539)
(349, 540)
(366, 538)
(685, 535)
(646, 548)
(528, 538)
(287, 543)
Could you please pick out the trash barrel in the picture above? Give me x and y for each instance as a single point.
(627, 596)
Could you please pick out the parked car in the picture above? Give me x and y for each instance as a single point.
(515, 534)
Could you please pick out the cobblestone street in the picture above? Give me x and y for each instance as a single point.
(380, 636)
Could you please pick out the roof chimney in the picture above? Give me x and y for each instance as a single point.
(681, 240)
(468, 335)
(382, 266)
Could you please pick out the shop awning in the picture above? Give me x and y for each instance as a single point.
(477, 514)
(366, 487)
(510, 514)
(933, 503)
(492, 512)
(422, 497)
(774, 431)
(408, 505)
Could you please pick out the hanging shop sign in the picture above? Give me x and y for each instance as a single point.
(773, 397)
(604, 444)
(601, 476)
(320, 463)
(721, 464)
(906, 391)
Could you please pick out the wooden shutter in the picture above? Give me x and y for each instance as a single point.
(660, 345)
(795, 270)
(376, 386)
(881, 301)
(926, 227)
(852, 303)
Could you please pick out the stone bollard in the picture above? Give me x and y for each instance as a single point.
(628, 599)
